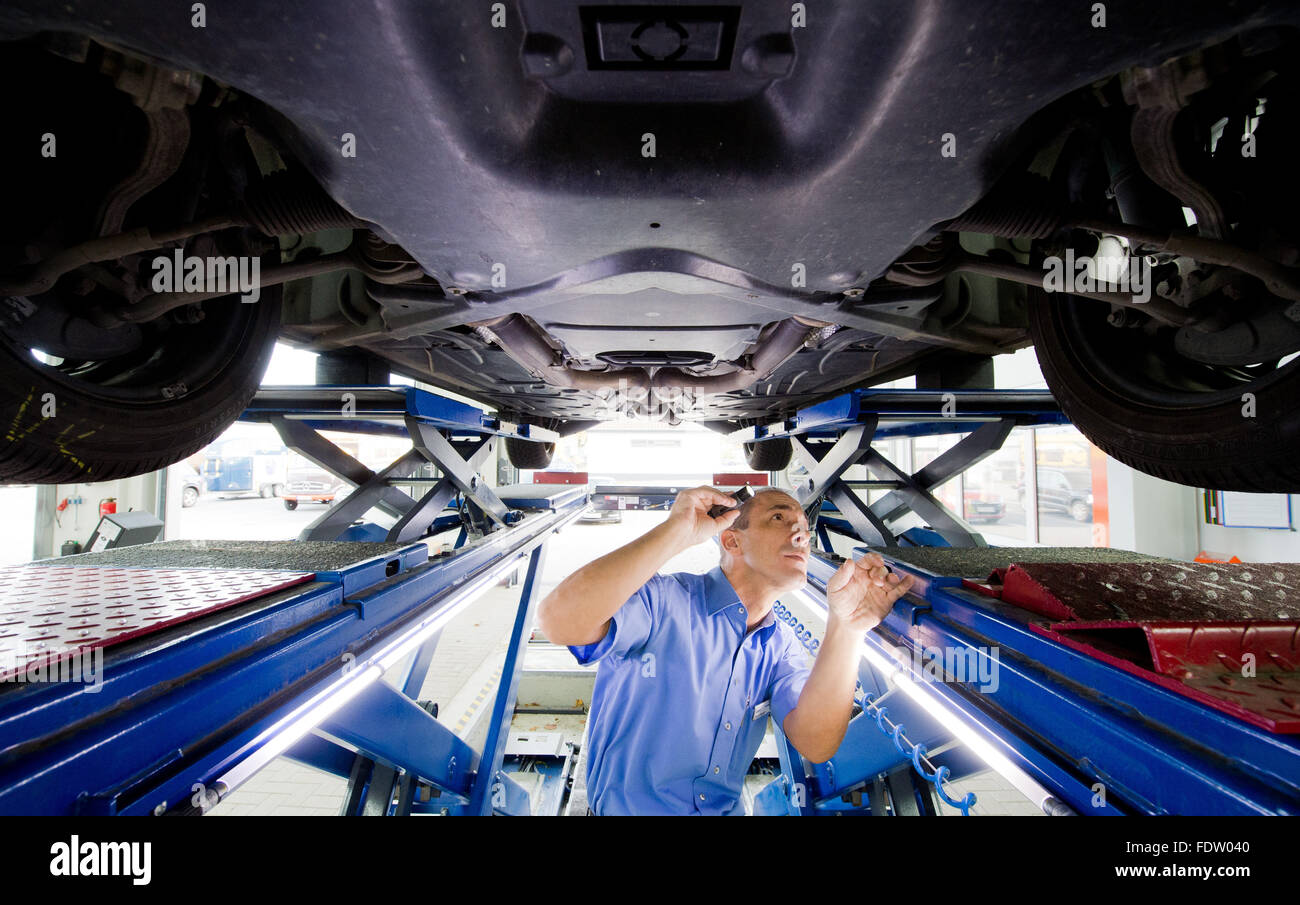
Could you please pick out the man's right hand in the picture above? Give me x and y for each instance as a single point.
(690, 514)
(578, 610)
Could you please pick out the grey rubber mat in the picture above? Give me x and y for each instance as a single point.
(290, 555)
(978, 562)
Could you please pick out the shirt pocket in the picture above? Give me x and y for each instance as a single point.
(748, 737)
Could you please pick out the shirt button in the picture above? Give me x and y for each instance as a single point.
(727, 726)
(701, 796)
(715, 769)
(742, 609)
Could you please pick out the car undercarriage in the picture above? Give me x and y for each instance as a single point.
(717, 214)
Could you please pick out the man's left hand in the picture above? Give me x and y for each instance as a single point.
(863, 591)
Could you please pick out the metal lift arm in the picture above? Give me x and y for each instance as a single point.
(1073, 733)
(184, 714)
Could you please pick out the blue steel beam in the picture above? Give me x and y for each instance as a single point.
(419, 667)
(773, 800)
(508, 797)
(191, 704)
(391, 728)
(379, 409)
(309, 444)
(503, 707)
(322, 754)
(943, 411)
(1071, 721)
(798, 789)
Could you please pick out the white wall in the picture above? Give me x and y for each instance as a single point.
(1150, 515)
(1251, 544)
(18, 525)
(78, 522)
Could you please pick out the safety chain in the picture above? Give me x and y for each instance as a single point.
(915, 752)
(804, 635)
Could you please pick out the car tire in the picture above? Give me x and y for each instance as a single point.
(527, 454)
(67, 428)
(1216, 438)
(277, 490)
(291, 505)
(769, 455)
(266, 491)
(189, 496)
(1080, 511)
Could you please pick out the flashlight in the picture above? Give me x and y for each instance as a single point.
(739, 496)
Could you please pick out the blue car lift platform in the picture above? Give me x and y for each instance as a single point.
(225, 655)
(956, 680)
(219, 656)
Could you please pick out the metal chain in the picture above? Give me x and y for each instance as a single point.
(909, 749)
(804, 635)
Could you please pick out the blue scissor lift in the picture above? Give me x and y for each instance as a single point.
(1073, 733)
(234, 653)
(316, 649)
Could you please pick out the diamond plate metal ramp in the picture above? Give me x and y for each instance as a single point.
(51, 613)
(1226, 635)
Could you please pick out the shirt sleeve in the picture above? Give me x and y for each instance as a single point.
(792, 671)
(629, 627)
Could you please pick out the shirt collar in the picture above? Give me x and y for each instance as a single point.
(719, 594)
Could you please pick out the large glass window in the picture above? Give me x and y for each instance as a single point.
(993, 497)
(924, 451)
(1063, 503)
(1071, 489)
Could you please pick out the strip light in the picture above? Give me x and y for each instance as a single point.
(282, 735)
(901, 677)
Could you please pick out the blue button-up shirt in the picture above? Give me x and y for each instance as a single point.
(682, 696)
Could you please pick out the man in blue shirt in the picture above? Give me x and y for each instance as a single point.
(691, 665)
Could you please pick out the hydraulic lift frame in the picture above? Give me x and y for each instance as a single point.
(1072, 733)
(183, 716)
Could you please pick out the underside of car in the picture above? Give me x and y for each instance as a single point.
(710, 213)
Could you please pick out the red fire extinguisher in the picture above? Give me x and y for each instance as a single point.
(107, 506)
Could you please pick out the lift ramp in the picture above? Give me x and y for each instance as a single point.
(211, 658)
(230, 654)
(1144, 712)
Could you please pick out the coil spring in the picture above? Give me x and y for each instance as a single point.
(291, 202)
(1024, 210)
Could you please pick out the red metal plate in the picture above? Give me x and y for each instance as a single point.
(1226, 635)
(1156, 591)
(50, 613)
(559, 477)
(1205, 663)
(740, 479)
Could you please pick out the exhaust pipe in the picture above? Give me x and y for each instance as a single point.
(530, 348)
(785, 339)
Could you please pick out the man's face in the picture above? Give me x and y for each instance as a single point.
(776, 541)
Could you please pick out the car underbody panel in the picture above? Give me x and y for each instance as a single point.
(696, 212)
